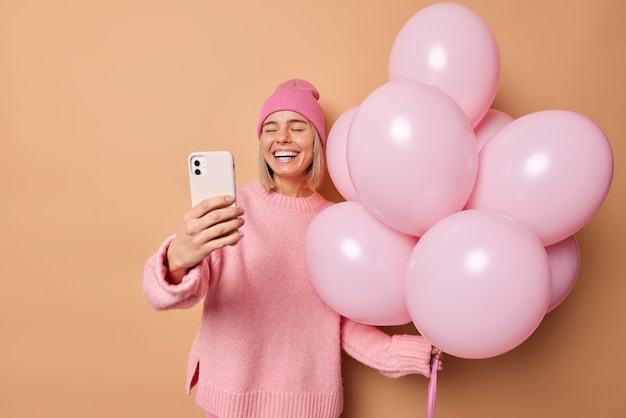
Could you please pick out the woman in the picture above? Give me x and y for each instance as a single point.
(267, 345)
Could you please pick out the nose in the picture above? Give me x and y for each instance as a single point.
(283, 135)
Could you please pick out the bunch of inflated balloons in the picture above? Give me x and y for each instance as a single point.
(457, 217)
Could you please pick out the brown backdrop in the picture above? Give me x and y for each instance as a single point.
(100, 102)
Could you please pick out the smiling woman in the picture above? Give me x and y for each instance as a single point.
(291, 157)
(287, 143)
(267, 344)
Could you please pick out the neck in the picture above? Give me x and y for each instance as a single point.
(295, 188)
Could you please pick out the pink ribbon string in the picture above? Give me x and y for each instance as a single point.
(432, 389)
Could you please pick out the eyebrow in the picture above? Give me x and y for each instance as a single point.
(289, 121)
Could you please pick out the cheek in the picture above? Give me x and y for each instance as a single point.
(306, 143)
(265, 146)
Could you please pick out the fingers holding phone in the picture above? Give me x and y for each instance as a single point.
(211, 175)
(208, 226)
(214, 220)
(214, 223)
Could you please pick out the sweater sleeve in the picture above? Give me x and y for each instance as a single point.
(393, 356)
(162, 295)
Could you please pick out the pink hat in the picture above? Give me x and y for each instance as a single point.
(298, 96)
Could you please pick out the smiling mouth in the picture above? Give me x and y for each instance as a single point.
(285, 156)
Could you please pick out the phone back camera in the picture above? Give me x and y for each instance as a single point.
(198, 165)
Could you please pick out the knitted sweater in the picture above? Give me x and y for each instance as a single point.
(267, 345)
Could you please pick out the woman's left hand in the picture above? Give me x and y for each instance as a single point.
(437, 354)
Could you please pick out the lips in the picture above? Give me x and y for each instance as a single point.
(285, 156)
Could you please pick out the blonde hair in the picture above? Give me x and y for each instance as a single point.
(315, 175)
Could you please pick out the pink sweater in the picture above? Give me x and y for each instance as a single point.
(267, 345)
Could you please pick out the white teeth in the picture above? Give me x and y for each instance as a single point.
(285, 154)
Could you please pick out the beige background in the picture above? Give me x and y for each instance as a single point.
(100, 102)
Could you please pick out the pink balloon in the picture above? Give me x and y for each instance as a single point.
(491, 123)
(551, 169)
(356, 264)
(450, 46)
(478, 284)
(412, 155)
(564, 259)
(336, 158)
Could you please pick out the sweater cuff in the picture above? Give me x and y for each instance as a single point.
(190, 280)
(414, 354)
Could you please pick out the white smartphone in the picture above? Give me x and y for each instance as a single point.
(211, 173)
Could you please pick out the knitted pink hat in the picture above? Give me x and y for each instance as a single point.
(298, 96)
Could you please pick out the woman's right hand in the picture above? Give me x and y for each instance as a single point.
(208, 226)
